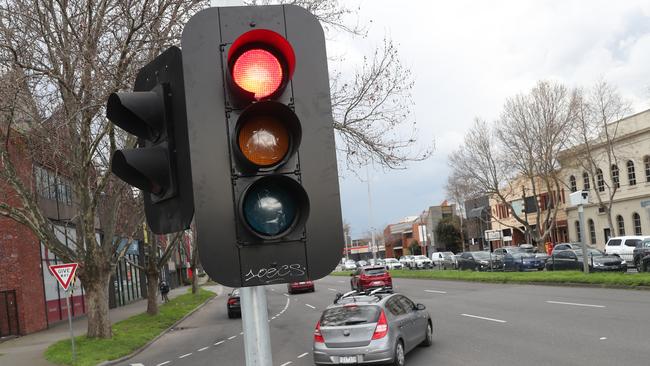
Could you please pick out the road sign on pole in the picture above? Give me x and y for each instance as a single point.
(64, 273)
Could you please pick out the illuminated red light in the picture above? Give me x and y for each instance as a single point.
(258, 71)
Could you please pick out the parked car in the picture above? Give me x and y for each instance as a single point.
(362, 263)
(566, 246)
(407, 261)
(623, 246)
(302, 286)
(370, 277)
(350, 265)
(523, 261)
(422, 262)
(233, 305)
(640, 252)
(598, 261)
(392, 263)
(478, 261)
(371, 329)
(645, 264)
(444, 260)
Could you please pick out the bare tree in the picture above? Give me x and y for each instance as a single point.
(594, 138)
(521, 149)
(70, 56)
(371, 108)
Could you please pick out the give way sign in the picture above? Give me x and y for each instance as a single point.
(64, 273)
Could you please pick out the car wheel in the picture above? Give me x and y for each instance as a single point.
(399, 359)
(644, 266)
(428, 337)
(477, 268)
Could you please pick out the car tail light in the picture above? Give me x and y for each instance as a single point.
(382, 327)
(232, 301)
(318, 337)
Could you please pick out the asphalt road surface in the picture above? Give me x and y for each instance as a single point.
(474, 324)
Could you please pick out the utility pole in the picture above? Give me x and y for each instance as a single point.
(372, 229)
(523, 198)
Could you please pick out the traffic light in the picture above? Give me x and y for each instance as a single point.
(262, 145)
(160, 165)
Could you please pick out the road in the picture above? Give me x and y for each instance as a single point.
(475, 324)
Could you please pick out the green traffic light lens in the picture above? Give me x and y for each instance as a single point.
(269, 207)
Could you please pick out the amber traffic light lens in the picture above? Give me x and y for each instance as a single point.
(264, 141)
(258, 71)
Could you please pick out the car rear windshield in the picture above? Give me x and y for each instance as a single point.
(350, 314)
(374, 271)
(481, 255)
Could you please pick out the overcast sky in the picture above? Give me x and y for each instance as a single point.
(468, 57)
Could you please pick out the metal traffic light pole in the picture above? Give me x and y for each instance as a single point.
(255, 325)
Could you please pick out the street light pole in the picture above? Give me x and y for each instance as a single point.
(372, 230)
(583, 239)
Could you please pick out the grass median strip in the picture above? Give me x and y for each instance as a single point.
(560, 277)
(128, 335)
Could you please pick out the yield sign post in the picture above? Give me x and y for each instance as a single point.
(64, 274)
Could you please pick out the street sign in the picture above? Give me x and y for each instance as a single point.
(64, 273)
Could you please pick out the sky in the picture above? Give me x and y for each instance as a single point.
(467, 58)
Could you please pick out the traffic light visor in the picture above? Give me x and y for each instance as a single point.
(261, 62)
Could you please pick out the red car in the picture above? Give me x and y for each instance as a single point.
(369, 277)
(303, 286)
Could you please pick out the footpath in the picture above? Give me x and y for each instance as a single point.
(28, 350)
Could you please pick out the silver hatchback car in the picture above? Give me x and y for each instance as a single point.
(371, 328)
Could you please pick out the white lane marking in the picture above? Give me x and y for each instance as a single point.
(137, 364)
(272, 289)
(163, 363)
(575, 304)
(287, 295)
(303, 355)
(435, 291)
(311, 306)
(202, 349)
(274, 318)
(603, 338)
(286, 363)
(233, 337)
(241, 333)
(218, 343)
(185, 355)
(480, 317)
(332, 289)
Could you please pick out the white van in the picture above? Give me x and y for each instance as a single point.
(623, 246)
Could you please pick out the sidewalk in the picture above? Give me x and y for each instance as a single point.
(28, 350)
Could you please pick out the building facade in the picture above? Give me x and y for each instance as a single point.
(629, 175)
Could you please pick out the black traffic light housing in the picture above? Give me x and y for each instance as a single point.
(160, 165)
(262, 149)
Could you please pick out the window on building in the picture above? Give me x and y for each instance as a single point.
(592, 232)
(585, 181)
(631, 175)
(578, 231)
(601, 209)
(51, 186)
(636, 219)
(646, 162)
(572, 183)
(620, 223)
(600, 180)
(615, 177)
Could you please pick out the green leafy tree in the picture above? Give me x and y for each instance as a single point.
(448, 233)
(415, 248)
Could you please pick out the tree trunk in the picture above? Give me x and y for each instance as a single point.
(152, 292)
(96, 288)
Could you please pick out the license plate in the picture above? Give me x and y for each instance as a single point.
(301, 283)
(377, 283)
(348, 359)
